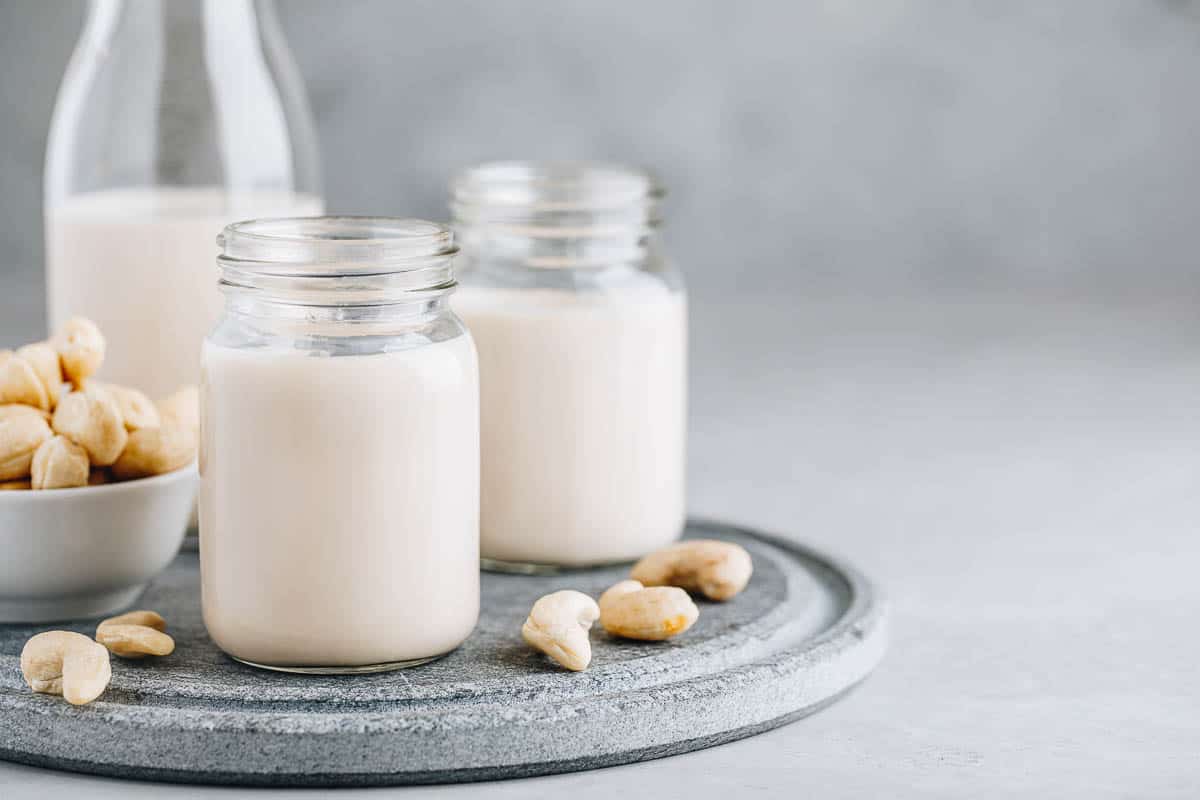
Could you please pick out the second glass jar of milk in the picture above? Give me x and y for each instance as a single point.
(581, 328)
(339, 461)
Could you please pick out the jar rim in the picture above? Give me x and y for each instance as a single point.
(337, 245)
(337, 260)
(556, 185)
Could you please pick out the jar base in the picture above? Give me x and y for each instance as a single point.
(364, 669)
(532, 568)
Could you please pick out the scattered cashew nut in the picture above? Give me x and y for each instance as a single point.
(134, 641)
(20, 437)
(59, 463)
(716, 569)
(91, 418)
(558, 625)
(181, 408)
(66, 663)
(44, 359)
(80, 348)
(135, 634)
(153, 451)
(19, 382)
(143, 617)
(633, 611)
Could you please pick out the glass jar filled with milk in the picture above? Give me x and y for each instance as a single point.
(581, 327)
(339, 456)
(175, 118)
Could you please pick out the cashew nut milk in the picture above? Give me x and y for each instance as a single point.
(583, 421)
(339, 501)
(139, 263)
(581, 325)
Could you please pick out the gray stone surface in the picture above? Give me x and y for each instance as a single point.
(805, 631)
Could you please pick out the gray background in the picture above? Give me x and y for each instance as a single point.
(887, 142)
(943, 324)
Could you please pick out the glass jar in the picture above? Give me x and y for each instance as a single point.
(175, 118)
(339, 456)
(581, 327)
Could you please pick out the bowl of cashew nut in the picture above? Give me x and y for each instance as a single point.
(97, 482)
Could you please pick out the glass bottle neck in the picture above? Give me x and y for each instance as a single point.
(182, 23)
(197, 94)
(195, 45)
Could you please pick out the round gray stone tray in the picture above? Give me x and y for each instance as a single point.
(806, 630)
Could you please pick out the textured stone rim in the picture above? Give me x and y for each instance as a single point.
(695, 712)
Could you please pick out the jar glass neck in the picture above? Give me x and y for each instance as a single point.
(335, 268)
(288, 318)
(556, 215)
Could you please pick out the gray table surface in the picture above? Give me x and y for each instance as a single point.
(1020, 473)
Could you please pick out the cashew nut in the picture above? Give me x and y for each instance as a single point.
(80, 348)
(91, 418)
(19, 382)
(20, 437)
(59, 463)
(153, 451)
(136, 409)
(135, 634)
(44, 359)
(182, 408)
(558, 625)
(633, 611)
(99, 476)
(10, 410)
(134, 641)
(66, 663)
(142, 616)
(718, 570)
(14, 486)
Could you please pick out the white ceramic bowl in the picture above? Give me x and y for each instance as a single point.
(89, 551)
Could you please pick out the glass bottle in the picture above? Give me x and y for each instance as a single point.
(581, 327)
(175, 117)
(339, 456)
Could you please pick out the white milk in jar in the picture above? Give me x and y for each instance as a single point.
(581, 329)
(339, 502)
(583, 421)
